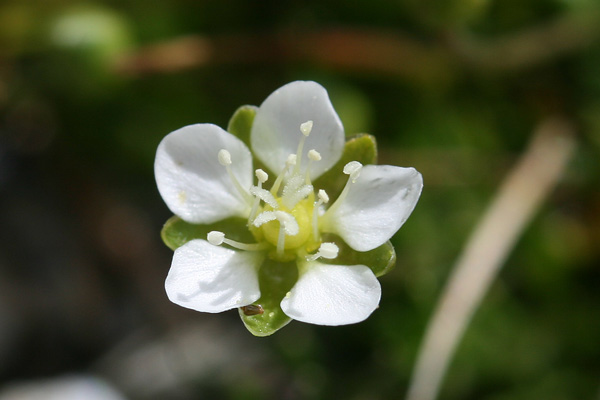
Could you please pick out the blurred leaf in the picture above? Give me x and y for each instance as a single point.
(176, 232)
(361, 148)
(381, 260)
(276, 279)
(240, 123)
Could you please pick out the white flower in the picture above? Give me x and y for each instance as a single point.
(205, 175)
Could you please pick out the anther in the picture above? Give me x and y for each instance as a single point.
(225, 160)
(313, 155)
(215, 237)
(306, 127)
(353, 169)
(323, 199)
(218, 238)
(327, 250)
(224, 157)
(261, 175)
(289, 163)
(323, 196)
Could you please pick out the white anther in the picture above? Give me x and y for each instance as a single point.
(306, 127)
(352, 167)
(323, 196)
(224, 157)
(291, 160)
(215, 237)
(314, 155)
(261, 175)
(328, 250)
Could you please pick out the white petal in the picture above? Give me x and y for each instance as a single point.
(211, 278)
(190, 179)
(333, 295)
(276, 128)
(376, 206)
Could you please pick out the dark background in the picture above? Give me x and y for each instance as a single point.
(453, 88)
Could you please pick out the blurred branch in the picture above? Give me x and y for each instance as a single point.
(547, 41)
(383, 53)
(387, 53)
(521, 194)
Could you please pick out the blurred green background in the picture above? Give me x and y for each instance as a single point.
(453, 88)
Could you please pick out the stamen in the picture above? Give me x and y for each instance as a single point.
(224, 157)
(217, 238)
(326, 250)
(305, 128)
(352, 169)
(225, 160)
(313, 155)
(262, 177)
(291, 161)
(323, 199)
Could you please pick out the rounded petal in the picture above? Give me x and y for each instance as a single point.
(276, 129)
(211, 278)
(190, 179)
(333, 295)
(375, 207)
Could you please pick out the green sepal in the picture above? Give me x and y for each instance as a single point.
(361, 148)
(380, 260)
(241, 122)
(176, 232)
(276, 279)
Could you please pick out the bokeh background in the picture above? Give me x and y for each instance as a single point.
(454, 88)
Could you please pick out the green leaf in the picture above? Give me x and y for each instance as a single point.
(381, 260)
(176, 232)
(241, 122)
(276, 279)
(361, 148)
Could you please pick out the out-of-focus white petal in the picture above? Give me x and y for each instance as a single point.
(276, 128)
(190, 179)
(211, 278)
(333, 295)
(376, 206)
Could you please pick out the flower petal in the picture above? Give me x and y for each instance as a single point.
(190, 179)
(276, 129)
(211, 278)
(376, 206)
(333, 295)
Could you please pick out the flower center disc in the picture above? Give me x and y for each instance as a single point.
(302, 213)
